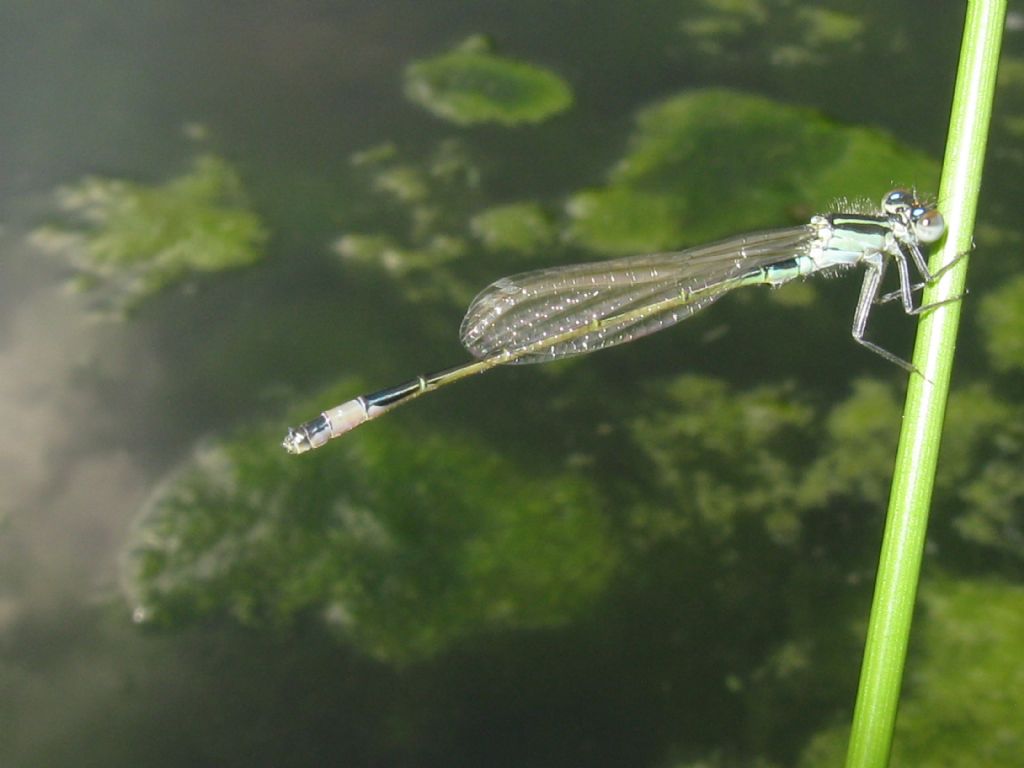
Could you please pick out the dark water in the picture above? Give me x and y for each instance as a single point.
(711, 637)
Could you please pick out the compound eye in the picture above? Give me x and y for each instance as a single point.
(897, 201)
(929, 226)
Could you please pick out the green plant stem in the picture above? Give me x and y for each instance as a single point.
(903, 544)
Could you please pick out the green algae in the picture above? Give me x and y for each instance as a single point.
(127, 241)
(404, 543)
(781, 34)
(470, 85)
(704, 164)
(964, 681)
(518, 227)
(1001, 317)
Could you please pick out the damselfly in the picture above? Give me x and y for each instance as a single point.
(555, 313)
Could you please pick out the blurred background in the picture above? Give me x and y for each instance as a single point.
(218, 219)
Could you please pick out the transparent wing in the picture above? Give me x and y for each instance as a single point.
(604, 301)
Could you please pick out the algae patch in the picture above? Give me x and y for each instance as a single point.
(127, 240)
(471, 85)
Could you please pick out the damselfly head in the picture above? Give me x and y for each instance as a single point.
(923, 220)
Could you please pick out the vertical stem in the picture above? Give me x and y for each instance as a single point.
(899, 566)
